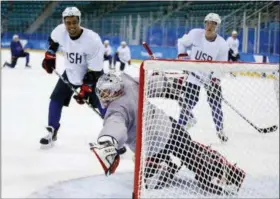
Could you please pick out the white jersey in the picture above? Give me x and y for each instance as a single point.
(107, 50)
(124, 54)
(80, 54)
(233, 44)
(202, 49)
(120, 120)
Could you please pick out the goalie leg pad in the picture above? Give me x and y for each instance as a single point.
(213, 164)
(165, 169)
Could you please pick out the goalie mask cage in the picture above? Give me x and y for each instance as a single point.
(181, 109)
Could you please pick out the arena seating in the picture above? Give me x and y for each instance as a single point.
(107, 18)
(19, 15)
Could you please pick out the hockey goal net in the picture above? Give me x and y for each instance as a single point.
(207, 129)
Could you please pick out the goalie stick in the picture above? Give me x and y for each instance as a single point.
(260, 130)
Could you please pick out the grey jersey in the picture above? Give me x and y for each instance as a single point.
(121, 116)
(120, 120)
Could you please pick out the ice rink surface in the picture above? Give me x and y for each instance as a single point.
(27, 170)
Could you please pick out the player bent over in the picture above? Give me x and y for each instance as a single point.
(122, 55)
(120, 96)
(83, 60)
(108, 53)
(233, 44)
(206, 45)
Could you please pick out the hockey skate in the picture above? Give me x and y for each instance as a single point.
(4, 65)
(221, 135)
(48, 141)
(27, 66)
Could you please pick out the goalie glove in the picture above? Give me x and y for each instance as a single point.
(107, 154)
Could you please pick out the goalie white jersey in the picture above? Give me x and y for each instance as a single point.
(120, 120)
(81, 54)
(202, 49)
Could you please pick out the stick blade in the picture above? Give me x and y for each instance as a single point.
(268, 129)
(148, 49)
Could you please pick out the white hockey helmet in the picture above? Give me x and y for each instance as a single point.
(15, 37)
(123, 43)
(213, 17)
(71, 11)
(106, 42)
(109, 87)
(234, 32)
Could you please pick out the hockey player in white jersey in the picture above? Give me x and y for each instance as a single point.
(233, 44)
(122, 55)
(120, 96)
(205, 45)
(108, 52)
(83, 61)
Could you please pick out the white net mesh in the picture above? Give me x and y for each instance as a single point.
(188, 114)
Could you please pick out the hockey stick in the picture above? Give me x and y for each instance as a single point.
(121, 150)
(76, 92)
(261, 130)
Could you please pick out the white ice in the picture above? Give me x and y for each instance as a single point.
(27, 169)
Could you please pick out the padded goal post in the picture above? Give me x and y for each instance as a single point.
(178, 153)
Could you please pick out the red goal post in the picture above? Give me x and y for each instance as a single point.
(174, 69)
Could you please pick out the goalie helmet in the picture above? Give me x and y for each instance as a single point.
(109, 87)
(71, 11)
(213, 17)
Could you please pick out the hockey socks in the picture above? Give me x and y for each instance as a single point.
(55, 109)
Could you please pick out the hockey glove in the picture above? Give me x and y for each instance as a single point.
(107, 155)
(88, 86)
(84, 94)
(211, 84)
(182, 56)
(49, 61)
